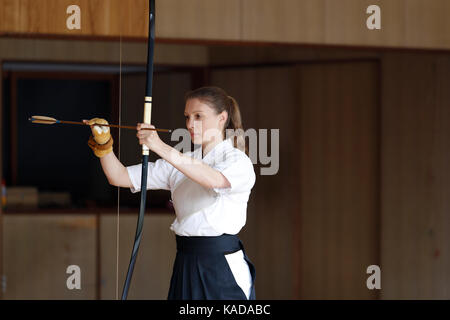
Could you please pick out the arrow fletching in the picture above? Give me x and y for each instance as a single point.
(43, 120)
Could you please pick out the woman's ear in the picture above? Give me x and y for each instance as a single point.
(223, 116)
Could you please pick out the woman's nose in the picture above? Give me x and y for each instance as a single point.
(190, 124)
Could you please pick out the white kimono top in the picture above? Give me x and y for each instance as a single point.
(201, 211)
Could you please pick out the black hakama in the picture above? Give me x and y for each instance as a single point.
(201, 271)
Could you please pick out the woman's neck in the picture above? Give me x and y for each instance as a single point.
(207, 147)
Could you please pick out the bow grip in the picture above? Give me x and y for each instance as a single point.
(147, 120)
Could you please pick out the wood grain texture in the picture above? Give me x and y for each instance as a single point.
(284, 20)
(415, 179)
(426, 23)
(404, 23)
(100, 52)
(345, 23)
(199, 19)
(38, 250)
(196, 19)
(98, 17)
(222, 55)
(338, 159)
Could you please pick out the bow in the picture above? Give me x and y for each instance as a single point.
(145, 150)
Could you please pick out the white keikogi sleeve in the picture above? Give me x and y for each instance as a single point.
(158, 176)
(239, 172)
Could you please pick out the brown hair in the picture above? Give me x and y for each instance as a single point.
(220, 101)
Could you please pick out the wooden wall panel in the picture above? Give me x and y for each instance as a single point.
(79, 51)
(199, 19)
(98, 17)
(38, 249)
(404, 23)
(153, 270)
(415, 180)
(427, 23)
(441, 276)
(338, 218)
(277, 108)
(222, 55)
(284, 20)
(195, 19)
(345, 22)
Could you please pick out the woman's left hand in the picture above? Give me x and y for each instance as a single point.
(148, 137)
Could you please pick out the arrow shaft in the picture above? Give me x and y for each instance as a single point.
(104, 125)
(115, 126)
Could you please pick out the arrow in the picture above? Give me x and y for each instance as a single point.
(49, 120)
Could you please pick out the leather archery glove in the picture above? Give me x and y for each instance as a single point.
(101, 140)
(101, 134)
(100, 150)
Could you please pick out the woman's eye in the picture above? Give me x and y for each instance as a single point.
(197, 116)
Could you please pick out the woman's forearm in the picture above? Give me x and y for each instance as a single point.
(194, 169)
(115, 171)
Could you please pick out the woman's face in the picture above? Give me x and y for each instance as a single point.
(203, 123)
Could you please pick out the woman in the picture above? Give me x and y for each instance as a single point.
(210, 188)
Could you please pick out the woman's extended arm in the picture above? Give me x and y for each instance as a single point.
(115, 171)
(194, 169)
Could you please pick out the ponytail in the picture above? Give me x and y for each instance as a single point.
(235, 125)
(220, 101)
